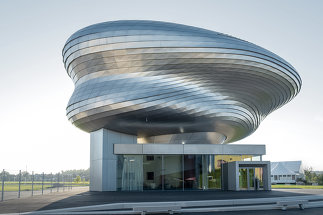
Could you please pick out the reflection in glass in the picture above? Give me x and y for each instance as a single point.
(152, 167)
(178, 172)
(214, 171)
(195, 172)
(129, 172)
(243, 179)
(251, 175)
(259, 178)
(256, 158)
(173, 173)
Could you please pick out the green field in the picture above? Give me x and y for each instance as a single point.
(291, 186)
(27, 186)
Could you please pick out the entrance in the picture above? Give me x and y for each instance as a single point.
(251, 178)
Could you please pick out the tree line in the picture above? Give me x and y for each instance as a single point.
(312, 177)
(77, 175)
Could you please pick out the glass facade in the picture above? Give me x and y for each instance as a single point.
(175, 172)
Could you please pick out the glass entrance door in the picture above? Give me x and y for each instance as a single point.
(251, 178)
(243, 178)
(247, 179)
(259, 178)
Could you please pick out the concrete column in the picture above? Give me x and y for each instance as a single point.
(103, 163)
(233, 176)
(267, 177)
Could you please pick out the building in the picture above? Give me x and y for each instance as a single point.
(286, 172)
(163, 100)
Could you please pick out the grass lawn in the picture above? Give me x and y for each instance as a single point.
(289, 186)
(27, 186)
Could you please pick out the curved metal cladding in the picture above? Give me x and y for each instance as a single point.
(150, 78)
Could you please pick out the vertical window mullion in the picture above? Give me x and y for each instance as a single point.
(163, 172)
(183, 171)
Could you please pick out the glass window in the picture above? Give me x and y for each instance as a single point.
(129, 172)
(256, 158)
(152, 168)
(251, 174)
(214, 170)
(259, 178)
(150, 176)
(150, 157)
(173, 173)
(195, 172)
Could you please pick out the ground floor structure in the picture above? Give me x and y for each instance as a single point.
(118, 163)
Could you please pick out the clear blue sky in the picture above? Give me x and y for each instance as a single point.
(34, 87)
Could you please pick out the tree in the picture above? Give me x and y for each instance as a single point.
(4, 174)
(77, 179)
(311, 176)
(308, 174)
(83, 173)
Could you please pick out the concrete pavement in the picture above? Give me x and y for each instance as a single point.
(82, 197)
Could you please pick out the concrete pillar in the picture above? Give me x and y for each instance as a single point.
(267, 177)
(103, 163)
(233, 176)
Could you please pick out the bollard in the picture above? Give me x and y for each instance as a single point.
(32, 183)
(2, 190)
(19, 183)
(42, 185)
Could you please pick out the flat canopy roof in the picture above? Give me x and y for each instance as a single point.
(207, 149)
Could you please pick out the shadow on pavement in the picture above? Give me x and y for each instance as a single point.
(98, 198)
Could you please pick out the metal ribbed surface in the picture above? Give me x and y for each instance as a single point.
(151, 78)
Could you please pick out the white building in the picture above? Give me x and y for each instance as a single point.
(286, 172)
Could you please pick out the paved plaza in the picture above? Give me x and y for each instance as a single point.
(82, 197)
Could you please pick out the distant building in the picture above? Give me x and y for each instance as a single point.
(286, 172)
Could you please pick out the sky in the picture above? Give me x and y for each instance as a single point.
(34, 86)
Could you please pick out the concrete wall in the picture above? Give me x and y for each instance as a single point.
(103, 163)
